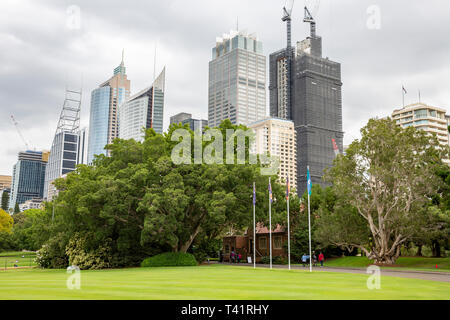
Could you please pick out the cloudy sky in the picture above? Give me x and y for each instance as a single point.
(42, 49)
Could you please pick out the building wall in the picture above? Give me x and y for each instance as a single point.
(425, 117)
(316, 107)
(98, 122)
(237, 76)
(28, 178)
(5, 182)
(278, 137)
(180, 117)
(63, 159)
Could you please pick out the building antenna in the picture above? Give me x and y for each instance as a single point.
(419, 97)
(237, 23)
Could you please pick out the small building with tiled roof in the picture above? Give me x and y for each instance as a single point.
(243, 244)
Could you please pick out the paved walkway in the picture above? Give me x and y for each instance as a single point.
(425, 275)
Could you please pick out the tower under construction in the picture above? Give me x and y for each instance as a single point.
(65, 152)
(306, 88)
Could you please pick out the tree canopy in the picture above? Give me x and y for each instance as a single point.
(142, 203)
(382, 185)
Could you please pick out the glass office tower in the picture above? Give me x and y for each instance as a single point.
(237, 80)
(28, 177)
(104, 122)
(143, 110)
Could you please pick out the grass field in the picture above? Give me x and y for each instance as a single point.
(412, 263)
(211, 282)
(19, 258)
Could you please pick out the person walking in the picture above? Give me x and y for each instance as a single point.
(232, 256)
(321, 258)
(239, 256)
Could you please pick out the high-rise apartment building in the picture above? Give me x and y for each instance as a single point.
(103, 121)
(306, 88)
(143, 110)
(424, 117)
(237, 80)
(28, 177)
(67, 143)
(276, 137)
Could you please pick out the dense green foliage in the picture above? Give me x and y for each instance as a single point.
(382, 189)
(5, 201)
(138, 203)
(170, 259)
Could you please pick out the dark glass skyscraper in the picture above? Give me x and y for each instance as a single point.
(315, 105)
(28, 177)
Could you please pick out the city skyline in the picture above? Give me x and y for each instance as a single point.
(43, 55)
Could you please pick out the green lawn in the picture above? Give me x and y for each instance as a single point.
(416, 263)
(19, 258)
(211, 282)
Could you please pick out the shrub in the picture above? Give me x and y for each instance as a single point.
(170, 259)
(53, 254)
(81, 255)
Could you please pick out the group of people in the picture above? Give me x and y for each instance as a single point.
(235, 257)
(305, 259)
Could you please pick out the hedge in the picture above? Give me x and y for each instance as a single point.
(170, 259)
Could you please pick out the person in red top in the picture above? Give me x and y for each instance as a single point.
(321, 258)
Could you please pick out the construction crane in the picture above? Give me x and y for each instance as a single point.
(308, 18)
(20, 133)
(287, 11)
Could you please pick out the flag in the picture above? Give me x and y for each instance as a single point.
(404, 90)
(270, 192)
(254, 194)
(308, 176)
(335, 147)
(288, 188)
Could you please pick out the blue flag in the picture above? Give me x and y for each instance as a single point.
(254, 195)
(308, 177)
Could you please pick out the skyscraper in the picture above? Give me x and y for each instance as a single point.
(277, 137)
(64, 154)
(103, 121)
(143, 110)
(237, 80)
(310, 95)
(28, 177)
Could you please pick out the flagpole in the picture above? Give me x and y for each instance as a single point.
(270, 225)
(309, 225)
(254, 229)
(289, 234)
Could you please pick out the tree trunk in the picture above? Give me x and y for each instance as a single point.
(436, 249)
(419, 250)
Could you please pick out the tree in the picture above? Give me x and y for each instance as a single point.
(6, 222)
(5, 200)
(142, 203)
(382, 185)
(16, 208)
